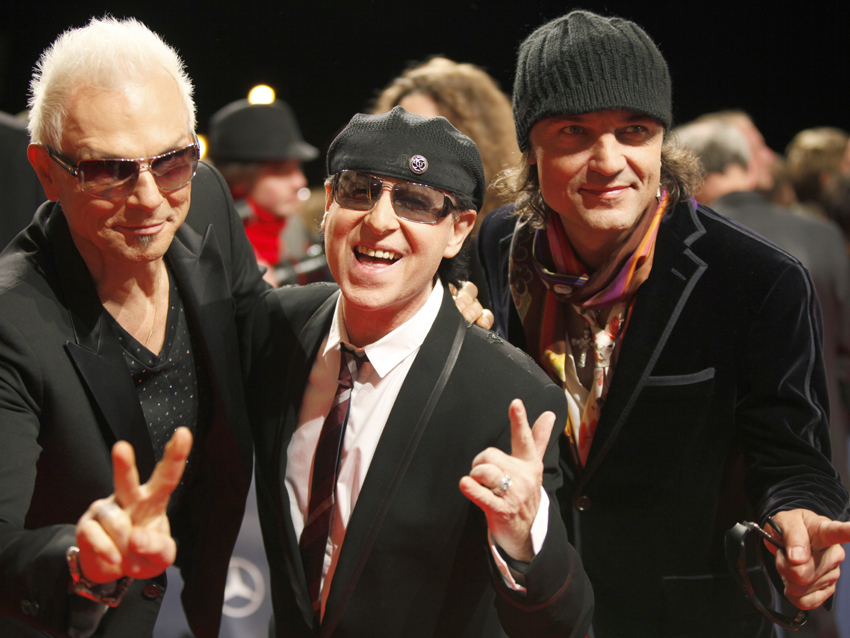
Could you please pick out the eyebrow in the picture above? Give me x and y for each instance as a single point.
(86, 152)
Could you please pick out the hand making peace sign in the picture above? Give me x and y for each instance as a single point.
(128, 534)
(507, 487)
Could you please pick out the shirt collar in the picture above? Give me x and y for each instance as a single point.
(390, 350)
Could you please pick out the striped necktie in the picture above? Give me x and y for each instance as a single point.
(314, 538)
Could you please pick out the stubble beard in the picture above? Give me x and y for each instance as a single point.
(145, 240)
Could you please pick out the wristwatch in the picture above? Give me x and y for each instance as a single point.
(107, 593)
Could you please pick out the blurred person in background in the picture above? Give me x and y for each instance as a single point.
(259, 150)
(814, 159)
(22, 192)
(469, 98)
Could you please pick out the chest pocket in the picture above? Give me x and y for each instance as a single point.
(679, 387)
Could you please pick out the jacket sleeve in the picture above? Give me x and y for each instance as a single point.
(558, 601)
(783, 410)
(34, 578)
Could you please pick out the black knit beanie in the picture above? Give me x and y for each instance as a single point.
(426, 150)
(582, 62)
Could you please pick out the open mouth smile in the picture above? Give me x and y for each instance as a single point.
(366, 255)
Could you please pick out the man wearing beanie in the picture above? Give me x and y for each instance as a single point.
(688, 348)
(400, 488)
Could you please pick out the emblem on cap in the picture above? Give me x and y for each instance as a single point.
(418, 164)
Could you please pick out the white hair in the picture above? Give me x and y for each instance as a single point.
(106, 54)
(717, 143)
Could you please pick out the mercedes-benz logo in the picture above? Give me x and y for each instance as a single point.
(245, 588)
(418, 164)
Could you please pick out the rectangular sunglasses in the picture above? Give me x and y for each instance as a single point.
(414, 202)
(113, 178)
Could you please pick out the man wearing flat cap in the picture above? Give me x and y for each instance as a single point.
(400, 488)
(688, 348)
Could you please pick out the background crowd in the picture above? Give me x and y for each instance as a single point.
(757, 99)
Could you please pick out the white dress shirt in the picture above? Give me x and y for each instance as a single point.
(372, 399)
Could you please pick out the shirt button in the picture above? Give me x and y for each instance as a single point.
(582, 503)
(151, 591)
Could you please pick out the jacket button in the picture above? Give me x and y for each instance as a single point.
(26, 607)
(34, 608)
(583, 503)
(151, 591)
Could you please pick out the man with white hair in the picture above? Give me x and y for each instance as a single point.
(119, 308)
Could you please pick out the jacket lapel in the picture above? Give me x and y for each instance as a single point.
(196, 263)
(388, 463)
(675, 272)
(298, 366)
(95, 351)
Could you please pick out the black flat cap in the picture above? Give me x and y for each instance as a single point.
(413, 148)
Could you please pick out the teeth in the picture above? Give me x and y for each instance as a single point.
(379, 254)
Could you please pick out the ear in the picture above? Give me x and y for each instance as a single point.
(532, 155)
(44, 167)
(462, 226)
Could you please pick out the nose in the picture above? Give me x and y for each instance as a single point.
(300, 179)
(146, 193)
(607, 156)
(382, 218)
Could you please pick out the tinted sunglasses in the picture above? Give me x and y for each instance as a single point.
(112, 178)
(742, 543)
(413, 202)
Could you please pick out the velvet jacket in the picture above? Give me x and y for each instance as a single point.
(66, 396)
(415, 559)
(717, 412)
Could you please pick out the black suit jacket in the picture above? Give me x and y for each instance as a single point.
(66, 396)
(415, 560)
(819, 245)
(717, 412)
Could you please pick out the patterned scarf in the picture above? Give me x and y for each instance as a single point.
(545, 274)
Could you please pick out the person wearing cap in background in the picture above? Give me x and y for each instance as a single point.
(259, 149)
(689, 350)
(382, 419)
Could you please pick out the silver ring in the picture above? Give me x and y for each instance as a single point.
(107, 509)
(504, 485)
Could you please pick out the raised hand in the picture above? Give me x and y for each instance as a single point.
(507, 487)
(809, 565)
(466, 300)
(128, 534)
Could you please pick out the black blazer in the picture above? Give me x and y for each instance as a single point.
(717, 412)
(415, 562)
(66, 396)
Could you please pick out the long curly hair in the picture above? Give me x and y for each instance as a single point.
(471, 100)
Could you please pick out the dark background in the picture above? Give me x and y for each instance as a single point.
(789, 69)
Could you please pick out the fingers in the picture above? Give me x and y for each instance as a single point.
(102, 534)
(527, 443)
(482, 496)
(814, 594)
(830, 533)
(809, 566)
(125, 475)
(168, 472)
(466, 300)
(795, 535)
(486, 320)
